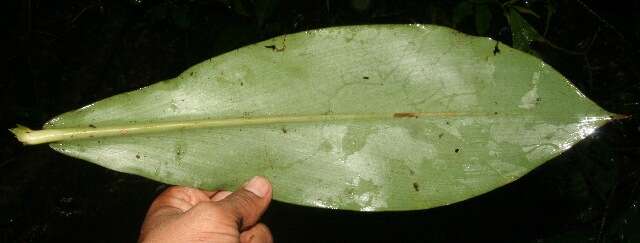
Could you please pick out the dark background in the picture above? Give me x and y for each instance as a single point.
(60, 55)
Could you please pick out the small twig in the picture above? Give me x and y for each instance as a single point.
(328, 5)
(586, 58)
(6, 162)
(548, 20)
(593, 40)
(601, 19)
(603, 222)
(589, 71)
(509, 3)
(81, 12)
(554, 46)
(609, 201)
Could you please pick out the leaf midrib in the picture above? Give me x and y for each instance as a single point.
(28, 136)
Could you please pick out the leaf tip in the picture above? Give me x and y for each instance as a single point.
(619, 116)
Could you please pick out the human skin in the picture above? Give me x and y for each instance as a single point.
(184, 214)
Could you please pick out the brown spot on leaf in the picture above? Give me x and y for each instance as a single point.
(365, 77)
(284, 130)
(416, 187)
(457, 150)
(137, 156)
(440, 135)
(92, 126)
(405, 115)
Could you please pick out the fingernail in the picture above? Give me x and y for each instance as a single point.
(258, 185)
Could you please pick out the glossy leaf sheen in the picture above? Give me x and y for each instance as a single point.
(394, 117)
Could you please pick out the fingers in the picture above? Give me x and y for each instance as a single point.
(220, 195)
(200, 214)
(247, 204)
(171, 203)
(209, 193)
(180, 197)
(259, 233)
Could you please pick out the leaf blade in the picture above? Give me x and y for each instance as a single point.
(523, 113)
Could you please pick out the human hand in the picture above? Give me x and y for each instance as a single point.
(184, 214)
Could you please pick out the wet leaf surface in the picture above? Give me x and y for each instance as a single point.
(440, 118)
(55, 65)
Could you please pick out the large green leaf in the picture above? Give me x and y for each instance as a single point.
(522, 33)
(383, 117)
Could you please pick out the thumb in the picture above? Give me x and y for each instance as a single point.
(247, 204)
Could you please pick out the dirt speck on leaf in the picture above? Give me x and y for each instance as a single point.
(275, 48)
